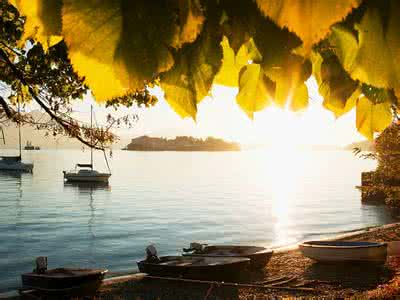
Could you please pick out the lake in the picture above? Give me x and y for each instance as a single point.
(270, 198)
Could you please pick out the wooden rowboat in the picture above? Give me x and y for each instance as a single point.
(345, 251)
(64, 280)
(216, 268)
(259, 256)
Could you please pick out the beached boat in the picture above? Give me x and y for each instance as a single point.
(344, 251)
(64, 280)
(217, 268)
(85, 172)
(259, 256)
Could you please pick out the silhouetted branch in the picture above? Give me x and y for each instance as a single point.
(67, 126)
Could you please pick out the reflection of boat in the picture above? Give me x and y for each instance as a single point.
(85, 172)
(344, 251)
(7, 174)
(29, 146)
(195, 267)
(259, 256)
(88, 186)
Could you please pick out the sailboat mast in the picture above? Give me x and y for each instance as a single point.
(91, 140)
(19, 131)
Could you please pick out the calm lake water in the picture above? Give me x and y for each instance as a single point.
(269, 198)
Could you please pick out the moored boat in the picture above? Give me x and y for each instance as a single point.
(14, 163)
(345, 251)
(85, 172)
(259, 256)
(85, 175)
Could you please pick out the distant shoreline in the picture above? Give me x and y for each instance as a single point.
(183, 150)
(181, 143)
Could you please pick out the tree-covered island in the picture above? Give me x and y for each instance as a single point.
(181, 143)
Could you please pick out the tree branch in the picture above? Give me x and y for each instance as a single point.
(6, 108)
(59, 120)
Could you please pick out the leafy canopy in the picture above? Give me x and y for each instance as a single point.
(267, 48)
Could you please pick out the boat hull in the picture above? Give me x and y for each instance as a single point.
(101, 177)
(259, 256)
(19, 166)
(66, 281)
(345, 251)
(212, 269)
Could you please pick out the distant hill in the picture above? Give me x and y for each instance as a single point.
(39, 138)
(363, 145)
(180, 143)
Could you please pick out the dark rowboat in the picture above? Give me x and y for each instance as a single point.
(259, 256)
(216, 268)
(345, 251)
(64, 280)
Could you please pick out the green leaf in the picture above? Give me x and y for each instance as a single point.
(369, 55)
(240, 22)
(309, 19)
(256, 90)
(335, 85)
(372, 117)
(196, 65)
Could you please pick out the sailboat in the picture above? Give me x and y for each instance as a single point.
(14, 163)
(85, 172)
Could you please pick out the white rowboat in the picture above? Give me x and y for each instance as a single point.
(344, 251)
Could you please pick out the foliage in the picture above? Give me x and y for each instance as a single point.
(268, 48)
(385, 180)
(42, 72)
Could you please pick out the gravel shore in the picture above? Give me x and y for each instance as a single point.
(331, 281)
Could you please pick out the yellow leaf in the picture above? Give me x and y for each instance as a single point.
(232, 64)
(102, 78)
(309, 19)
(255, 89)
(43, 20)
(371, 117)
(92, 30)
(299, 99)
(128, 42)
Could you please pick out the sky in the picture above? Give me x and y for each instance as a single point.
(220, 116)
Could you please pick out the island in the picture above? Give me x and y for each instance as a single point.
(180, 143)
